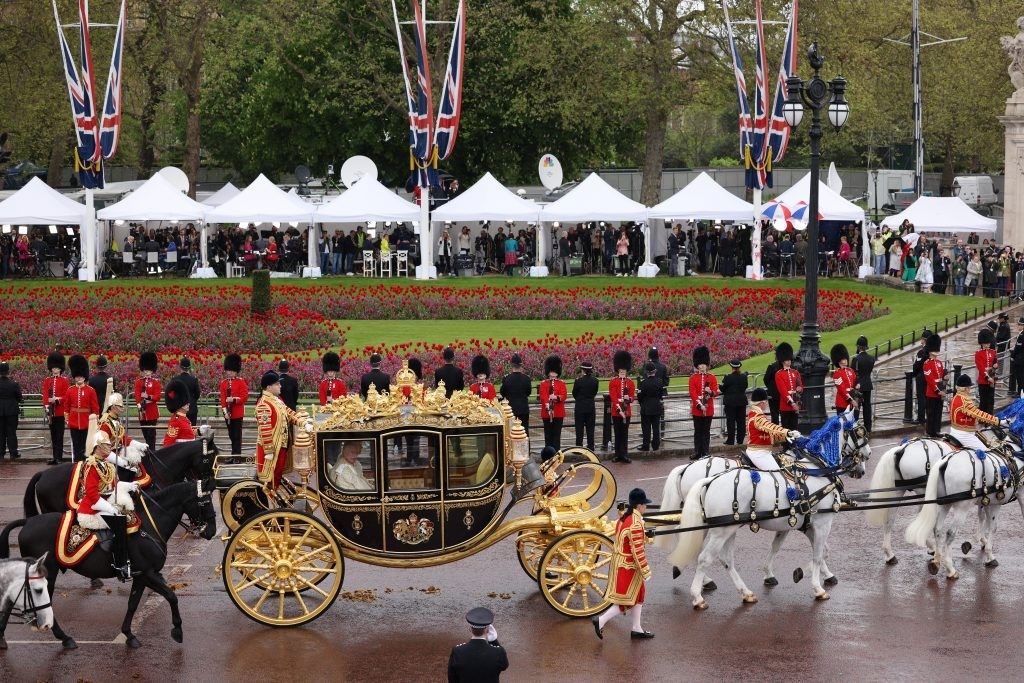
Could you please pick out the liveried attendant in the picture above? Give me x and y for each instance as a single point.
(272, 420)
(629, 569)
(762, 433)
(964, 416)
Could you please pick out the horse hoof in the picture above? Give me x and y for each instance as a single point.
(702, 605)
(96, 583)
(953, 577)
(992, 564)
(3, 644)
(177, 635)
(933, 568)
(710, 586)
(831, 581)
(892, 561)
(133, 642)
(965, 547)
(69, 644)
(798, 575)
(676, 572)
(823, 595)
(749, 599)
(771, 581)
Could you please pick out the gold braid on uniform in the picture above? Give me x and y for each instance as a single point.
(106, 471)
(773, 430)
(971, 410)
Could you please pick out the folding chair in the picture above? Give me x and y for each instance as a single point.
(385, 264)
(152, 262)
(368, 265)
(171, 260)
(402, 264)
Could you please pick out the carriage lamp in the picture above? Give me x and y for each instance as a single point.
(520, 451)
(302, 452)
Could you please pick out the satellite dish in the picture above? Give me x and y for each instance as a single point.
(175, 176)
(356, 168)
(550, 171)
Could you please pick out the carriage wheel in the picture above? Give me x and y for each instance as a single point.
(530, 547)
(574, 573)
(283, 568)
(242, 500)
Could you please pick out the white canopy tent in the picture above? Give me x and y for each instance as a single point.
(942, 214)
(222, 195)
(593, 200)
(831, 207)
(39, 204)
(367, 200)
(155, 200)
(701, 199)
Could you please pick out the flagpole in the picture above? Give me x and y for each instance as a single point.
(755, 238)
(88, 239)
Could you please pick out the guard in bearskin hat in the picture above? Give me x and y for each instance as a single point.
(864, 365)
(331, 386)
(552, 393)
(79, 403)
(790, 386)
(147, 397)
(481, 369)
(55, 387)
(621, 393)
(987, 362)
(935, 385)
(234, 392)
(845, 380)
(177, 399)
(703, 389)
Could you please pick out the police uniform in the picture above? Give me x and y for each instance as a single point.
(648, 395)
(584, 391)
(734, 403)
(330, 386)
(482, 387)
(964, 416)
(147, 397)
(934, 374)
(79, 402)
(516, 388)
(55, 387)
(629, 569)
(844, 378)
(552, 393)
(481, 659)
(177, 399)
(864, 365)
(99, 381)
(986, 361)
(192, 383)
(703, 389)
(234, 392)
(790, 386)
(621, 394)
(919, 381)
(289, 386)
(1017, 360)
(762, 434)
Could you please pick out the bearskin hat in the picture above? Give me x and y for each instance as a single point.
(839, 354)
(481, 366)
(964, 380)
(331, 362)
(148, 361)
(933, 344)
(862, 342)
(985, 336)
(232, 363)
(783, 352)
(701, 356)
(622, 361)
(79, 366)
(176, 395)
(553, 364)
(55, 360)
(417, 367)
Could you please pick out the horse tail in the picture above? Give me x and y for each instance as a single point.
(883, 478)
(671, 499)
(690, 542)
(5, 538)
(29, 502)
(923, 526)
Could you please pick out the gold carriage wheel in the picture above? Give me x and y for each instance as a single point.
(283, 568)
(228, 500)
(530, 547)
(574, 573)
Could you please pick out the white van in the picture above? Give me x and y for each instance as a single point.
(975, 190)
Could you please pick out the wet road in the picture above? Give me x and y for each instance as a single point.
(882, 622)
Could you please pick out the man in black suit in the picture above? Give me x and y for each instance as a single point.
(190, 381)
(375, 376)
(661, 372)
(516, 389)
(98, 382)
(648, 395)
(773, 390)
(454, 378)
(10, 411)
(918, 368)
(482, 658)
(863, 364)
(289, 385)
(584, 389)
(734, 400)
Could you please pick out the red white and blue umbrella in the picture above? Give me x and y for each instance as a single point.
(800, 213)
(774, 210)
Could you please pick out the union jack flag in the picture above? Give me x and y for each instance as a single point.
(79, 91)
(745, 123)
(424, 108)
(110, 123)
(760, 136)
(778, 141)
(450, 108)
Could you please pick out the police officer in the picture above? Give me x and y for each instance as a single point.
(864, 364)
(453, 377)
(584, 390)
(482, 658)
(661, 372)
(772, 389)
(378, 378)
(919, 382)
(648, 395)
(289, 385)
(516, 389)
(189, 380)
(10, 411)
(1003, 334)
(734, 401)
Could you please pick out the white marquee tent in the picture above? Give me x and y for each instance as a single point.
(831, 204)
(942, 214)
(222, 195)
(703, 199)
(367, 200)
(155, 200)
(39, 204)
(487, 200)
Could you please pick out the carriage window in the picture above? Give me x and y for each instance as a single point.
(411, 460)
(472, 460)
(352, 464)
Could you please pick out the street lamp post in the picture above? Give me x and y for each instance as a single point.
(814, 94)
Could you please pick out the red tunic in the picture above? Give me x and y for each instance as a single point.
(964, 415)
(761, 431)
(618, 388)
(234, 387)
(331, 389)
(95, 486)
(703, 387)
(983, 360)
(486, 390)
(845, 379)
(630, 562)
(118, 436)
(79, 403)
(788, 380)
(55, 386)
(552, 388)
(178, 429)
(148, 392)
(934, 371)
(272, 418)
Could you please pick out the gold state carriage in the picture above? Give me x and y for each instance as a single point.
(409, 478)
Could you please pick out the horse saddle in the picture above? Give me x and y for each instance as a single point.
(74, 542)
(953, 441)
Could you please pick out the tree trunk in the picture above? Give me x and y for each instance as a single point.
(191, 82)
(946, 186)
(654, 154)
(56, 165)
(147, 124)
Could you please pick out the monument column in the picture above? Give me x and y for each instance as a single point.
(1013, 192)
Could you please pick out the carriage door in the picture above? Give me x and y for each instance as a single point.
(474, 478)
(412, 492)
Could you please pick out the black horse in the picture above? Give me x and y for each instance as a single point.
(47, 489)
(160, 512)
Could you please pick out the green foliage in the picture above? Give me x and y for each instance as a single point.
(261, 302)
(724, 162)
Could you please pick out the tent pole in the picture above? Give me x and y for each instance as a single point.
(87, 240)
(755, 238)
(426, 270)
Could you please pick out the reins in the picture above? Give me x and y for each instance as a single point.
(28, 603)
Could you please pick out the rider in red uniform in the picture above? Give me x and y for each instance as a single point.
(177, 400)
(482, 387)
(330, 386)
(762, 433)
(844, 378)
(629, 568)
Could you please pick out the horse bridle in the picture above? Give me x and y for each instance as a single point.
(190, 529)
(190, 473)
(859, 438)
(28, 603)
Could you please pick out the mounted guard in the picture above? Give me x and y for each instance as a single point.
(128, 451)
(762, 433)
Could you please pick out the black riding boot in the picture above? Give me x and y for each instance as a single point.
(122, 566)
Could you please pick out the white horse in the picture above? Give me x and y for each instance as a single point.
(744, 496)
(971, 479)
(23, 588)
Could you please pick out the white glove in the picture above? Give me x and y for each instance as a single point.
(104, 506)
(793, 435)
(308, 427)
(1004, 423)
(492, 634)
